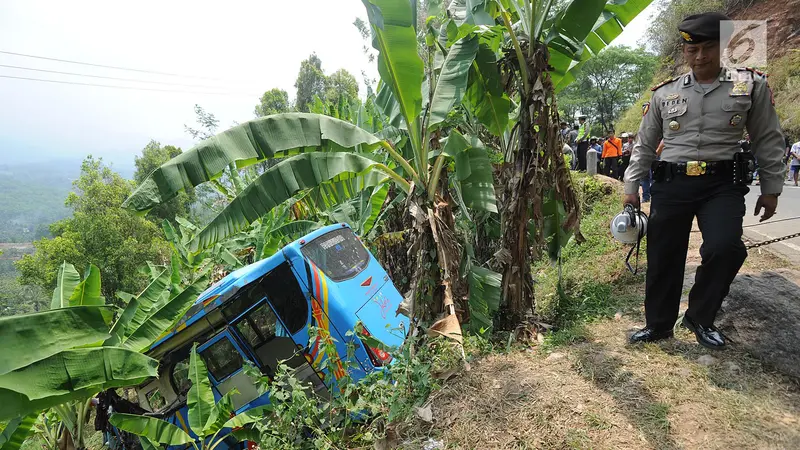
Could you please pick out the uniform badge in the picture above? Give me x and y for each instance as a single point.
(686, 36)
(674, 109)
(674, 125)
(672, 96)
(739, 88)
(736, 120)
(645, 108)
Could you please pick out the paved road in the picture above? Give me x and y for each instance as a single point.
(788, 206)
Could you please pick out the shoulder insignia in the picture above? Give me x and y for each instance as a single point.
(665, 83)
(645, 108)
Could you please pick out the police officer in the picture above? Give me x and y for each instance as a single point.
(701, 116)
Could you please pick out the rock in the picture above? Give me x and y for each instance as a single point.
(424, 413)
(555, 356)
(762, 315)
(433, 444)
(706, 360)
(618, 316)
(731, 367)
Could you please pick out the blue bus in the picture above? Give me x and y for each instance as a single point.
(262, 313)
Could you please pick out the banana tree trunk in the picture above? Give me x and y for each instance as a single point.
(536, 166)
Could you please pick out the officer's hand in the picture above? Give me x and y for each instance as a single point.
(769, 202)
(631, 199)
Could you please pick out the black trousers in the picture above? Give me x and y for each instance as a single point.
(582, 148)
(719, 207)
(611, 166)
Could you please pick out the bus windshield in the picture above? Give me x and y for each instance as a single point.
(338, 253)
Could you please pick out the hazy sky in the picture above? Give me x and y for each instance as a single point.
(241, 48)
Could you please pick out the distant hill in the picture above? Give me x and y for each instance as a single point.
(32, 197)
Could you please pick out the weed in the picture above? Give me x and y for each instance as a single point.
(597, 422)
(355, 414)
(656, 414)
(564, 336)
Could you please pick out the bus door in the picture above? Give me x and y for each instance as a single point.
(224, 359)
(273, 329)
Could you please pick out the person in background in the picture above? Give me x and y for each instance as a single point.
(573, 139)
(795, 154)
(612, 151)
(625, 159)
(583, 142)
(564, 132)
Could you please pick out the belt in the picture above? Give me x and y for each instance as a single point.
(696, 168)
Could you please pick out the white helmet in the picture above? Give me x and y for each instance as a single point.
(629, 226)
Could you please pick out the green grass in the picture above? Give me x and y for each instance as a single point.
(594, 276)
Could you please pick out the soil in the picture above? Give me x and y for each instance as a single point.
(606, 394)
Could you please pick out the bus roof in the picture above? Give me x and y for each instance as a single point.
(224, 289)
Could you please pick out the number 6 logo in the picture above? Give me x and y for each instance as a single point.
(747, 45)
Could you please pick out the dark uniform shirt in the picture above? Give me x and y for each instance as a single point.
(701, 123)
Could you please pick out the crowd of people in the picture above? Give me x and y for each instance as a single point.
(614, 152)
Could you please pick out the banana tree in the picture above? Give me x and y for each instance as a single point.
(70, 353)
(318, 149)
(207, 420)
(544, 43)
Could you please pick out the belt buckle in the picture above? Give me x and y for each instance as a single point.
(695, 168)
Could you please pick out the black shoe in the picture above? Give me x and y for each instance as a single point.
(708, 337)
(648, 334)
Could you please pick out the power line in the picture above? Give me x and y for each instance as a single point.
(111, 67)
(125, 87)
(110, 78)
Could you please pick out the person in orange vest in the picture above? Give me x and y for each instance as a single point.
(612, 151)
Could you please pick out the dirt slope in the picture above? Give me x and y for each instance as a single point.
(602, 393)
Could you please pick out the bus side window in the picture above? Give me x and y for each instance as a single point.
(283, 291)
(260, 325)
(222, 359)
(180, 377)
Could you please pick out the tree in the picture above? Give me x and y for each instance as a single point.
(341, 85)
(99, 232)
(153, 156)
(311, 81)
(207, 121)
(274, 101)
(611, 81)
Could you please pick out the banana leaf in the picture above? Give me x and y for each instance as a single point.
(153, 294)
(452, 82)
(371, 205)
(247, 417)
(16, 431)
(155, 430)
(473, 172)
(400, 67)
(485, 96)
(279, 183)
(66, 282)
(244, 145)
(484, 297)
(200, 398)
(554, 216)
(71, 375)
(29, 338)
(582, 30)
(220, 413)
(164, 318)
(87, 292)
